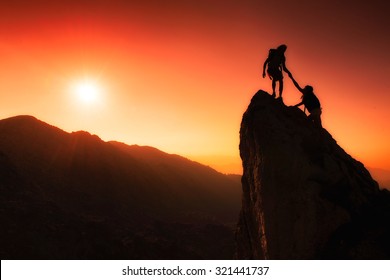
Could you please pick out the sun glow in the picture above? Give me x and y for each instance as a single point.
(87, 91)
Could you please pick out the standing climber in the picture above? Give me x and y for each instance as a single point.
(311, 102)
(275, 64)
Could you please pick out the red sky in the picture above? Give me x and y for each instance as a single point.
(178, 75)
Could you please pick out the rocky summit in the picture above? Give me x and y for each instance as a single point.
(304, 197)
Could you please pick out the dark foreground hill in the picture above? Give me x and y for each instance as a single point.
(74, 196)
(304, 197)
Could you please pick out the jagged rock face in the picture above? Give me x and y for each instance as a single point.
(304, 197)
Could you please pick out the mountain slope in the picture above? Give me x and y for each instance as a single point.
(304, 197)
(106, 199)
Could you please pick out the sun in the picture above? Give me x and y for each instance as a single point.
(87, 91)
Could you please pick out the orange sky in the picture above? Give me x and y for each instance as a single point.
(178, 75)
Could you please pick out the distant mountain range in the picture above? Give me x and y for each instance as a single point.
(74, 196)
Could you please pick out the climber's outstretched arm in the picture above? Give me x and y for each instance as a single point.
(295, 83)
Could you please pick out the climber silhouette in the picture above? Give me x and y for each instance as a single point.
(311, 102)
(275, 64)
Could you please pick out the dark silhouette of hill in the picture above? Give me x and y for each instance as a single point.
(304, 197)
(74, 196)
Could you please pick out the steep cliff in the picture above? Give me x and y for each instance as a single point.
(304, 197)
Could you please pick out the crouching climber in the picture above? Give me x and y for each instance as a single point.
(310, 101)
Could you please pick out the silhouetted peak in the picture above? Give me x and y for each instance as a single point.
(21, 120)
(277, 110)
(22, 131)
(81, 134)
(25, 128)
(302, 193)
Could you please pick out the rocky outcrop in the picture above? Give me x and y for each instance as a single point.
(304, 197)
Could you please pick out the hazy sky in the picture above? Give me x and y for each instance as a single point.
(178, 75)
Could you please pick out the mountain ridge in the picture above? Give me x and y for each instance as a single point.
(62, 184)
